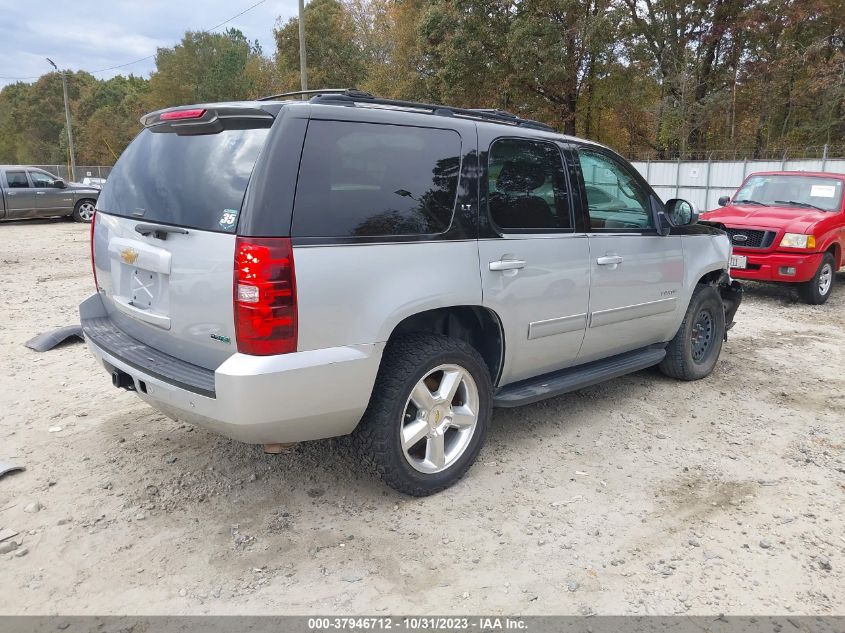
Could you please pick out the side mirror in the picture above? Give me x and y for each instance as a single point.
(681, 212)
(724, 200)
(58, 183)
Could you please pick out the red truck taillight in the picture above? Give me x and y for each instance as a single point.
(265, 296)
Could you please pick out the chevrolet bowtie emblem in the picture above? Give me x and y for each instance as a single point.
(129, 255)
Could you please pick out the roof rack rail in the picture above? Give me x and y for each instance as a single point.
(353, 96)
(318, 92)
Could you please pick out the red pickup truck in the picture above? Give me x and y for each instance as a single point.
(786, 227)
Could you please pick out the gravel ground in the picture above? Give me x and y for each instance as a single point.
(639, 496)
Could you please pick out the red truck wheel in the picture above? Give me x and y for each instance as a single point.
(817, 290)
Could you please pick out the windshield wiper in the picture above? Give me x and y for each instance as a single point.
(762, 204)
(796, 203)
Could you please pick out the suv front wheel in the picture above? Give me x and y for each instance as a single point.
(428, 415)
(693, 353)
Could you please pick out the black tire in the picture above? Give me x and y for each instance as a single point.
(814, 291)
(80, 211)
(406, 361)
(693, 353)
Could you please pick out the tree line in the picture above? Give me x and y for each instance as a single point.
(663, 78)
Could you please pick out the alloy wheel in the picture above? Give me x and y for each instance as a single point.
(86, 211)
(439, 419)
(825, 279)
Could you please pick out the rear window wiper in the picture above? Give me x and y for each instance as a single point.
(797, 203)
(762, 204)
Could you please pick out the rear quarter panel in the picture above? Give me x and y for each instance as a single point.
(357, 294)
(354, 291)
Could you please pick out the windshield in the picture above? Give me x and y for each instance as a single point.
(196, 181)
(812, 192)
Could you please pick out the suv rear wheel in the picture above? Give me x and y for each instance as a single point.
(693, 353)
(428, 415)
(817, 290)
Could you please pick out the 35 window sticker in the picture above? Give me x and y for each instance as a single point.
(229, 219)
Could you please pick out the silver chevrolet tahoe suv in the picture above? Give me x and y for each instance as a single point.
(284, 270)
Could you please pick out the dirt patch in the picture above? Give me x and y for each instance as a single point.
(640, 496)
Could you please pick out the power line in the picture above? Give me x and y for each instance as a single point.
(237, 16)
(142, 59)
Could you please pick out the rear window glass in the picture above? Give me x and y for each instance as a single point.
(364, 179)
(194, 181)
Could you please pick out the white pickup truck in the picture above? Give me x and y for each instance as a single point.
(29, 192)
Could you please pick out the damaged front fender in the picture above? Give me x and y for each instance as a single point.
(731, 292)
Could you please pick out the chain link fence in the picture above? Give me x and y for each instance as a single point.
(82, 171)
(820, 152)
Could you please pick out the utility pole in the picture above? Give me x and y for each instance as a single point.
(67, 119)
(303, 66)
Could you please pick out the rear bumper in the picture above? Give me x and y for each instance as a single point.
(256, 399)
(767, 267)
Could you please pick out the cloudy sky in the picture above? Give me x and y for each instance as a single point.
(98, 34)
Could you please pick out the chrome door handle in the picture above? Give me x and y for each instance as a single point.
(39, 193)
(507, 264)
(609, 260)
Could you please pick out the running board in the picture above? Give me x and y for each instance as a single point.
(566, 380)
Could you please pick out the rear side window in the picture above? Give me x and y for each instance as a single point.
(527, 186)
(364, 179)
(196, 181)
(17, 180)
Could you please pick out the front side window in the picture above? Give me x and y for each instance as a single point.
(17, 180)
(40, 179)
(365, 179)
(812, 192)
(526, 186)
(615, 200)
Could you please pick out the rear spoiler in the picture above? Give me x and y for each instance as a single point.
(208, 119)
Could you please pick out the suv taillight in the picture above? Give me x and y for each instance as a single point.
(93, 266)
(265, 296)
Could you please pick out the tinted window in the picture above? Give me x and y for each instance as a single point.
(40, 179)
(616, 201)
(17, 180)
(195, 181)
(799, 191)
(363, 179)
(527, 186)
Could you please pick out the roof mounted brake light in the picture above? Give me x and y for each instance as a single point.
(175, 115)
